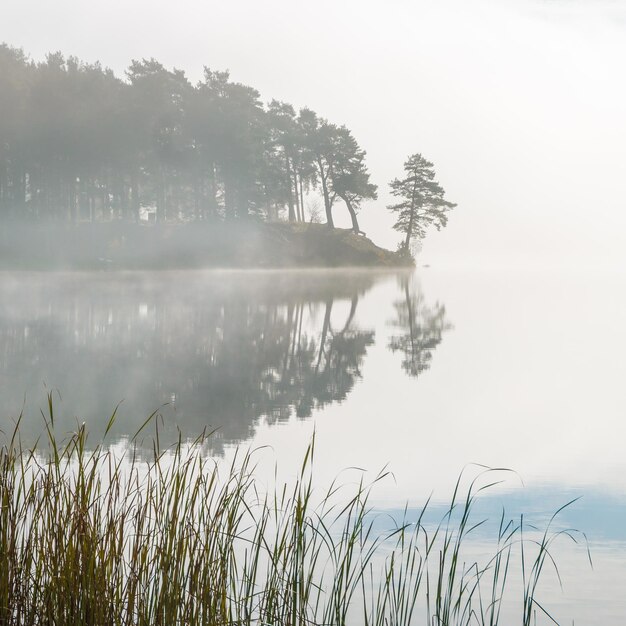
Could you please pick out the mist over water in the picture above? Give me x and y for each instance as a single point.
(505, 347)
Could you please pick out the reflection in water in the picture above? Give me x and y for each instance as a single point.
(215, 350)
(420, 328)
(325, 370)
(220, 349)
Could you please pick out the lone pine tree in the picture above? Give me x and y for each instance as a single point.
(422, 202)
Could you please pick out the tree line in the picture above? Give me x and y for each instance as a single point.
(79, 143)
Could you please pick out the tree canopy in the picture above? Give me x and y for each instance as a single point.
(80, 143)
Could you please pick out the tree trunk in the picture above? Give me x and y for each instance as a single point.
(292, 213)
(197, 195)
(3, 189)
(21, 205)
(72, 199)
(296, 195)
(407, 239)
(302, 199)
(355, 222)
(213, 206)
(229, 209)
(242, 202)
(158, 216)
(327, 203)
(409, 231)
(134, 198)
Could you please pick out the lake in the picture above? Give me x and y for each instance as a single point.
(423, 372)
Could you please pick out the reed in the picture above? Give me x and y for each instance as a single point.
(92, 536)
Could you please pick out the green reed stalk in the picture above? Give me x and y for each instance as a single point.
(88, 537)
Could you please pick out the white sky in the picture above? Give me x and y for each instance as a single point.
(520, 103)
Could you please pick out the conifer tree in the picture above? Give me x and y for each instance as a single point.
(422, 202)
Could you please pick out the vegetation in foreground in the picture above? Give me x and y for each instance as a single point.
(91, 536)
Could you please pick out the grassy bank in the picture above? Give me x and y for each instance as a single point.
(243, 244)
(92, 536)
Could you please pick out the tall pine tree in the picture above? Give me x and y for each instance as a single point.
(422, 202)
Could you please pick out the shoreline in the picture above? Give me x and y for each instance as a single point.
(122, 246)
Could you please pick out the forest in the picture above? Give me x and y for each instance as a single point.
(78, 143)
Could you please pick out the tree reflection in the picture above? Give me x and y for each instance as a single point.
(420, 329)
(220, 352)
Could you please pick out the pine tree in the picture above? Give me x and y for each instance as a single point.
(422, 202)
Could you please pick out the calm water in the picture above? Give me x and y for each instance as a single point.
(424, 372)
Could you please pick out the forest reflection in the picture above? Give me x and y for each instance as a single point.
(215, 350)
(418, 328)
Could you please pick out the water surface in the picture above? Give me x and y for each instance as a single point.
(425, 372)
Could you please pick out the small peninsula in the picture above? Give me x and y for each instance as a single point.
(253, 244)
(154, 171)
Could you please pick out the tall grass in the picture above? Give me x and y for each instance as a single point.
(92, 536)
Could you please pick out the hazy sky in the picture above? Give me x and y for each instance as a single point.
(520, 103)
